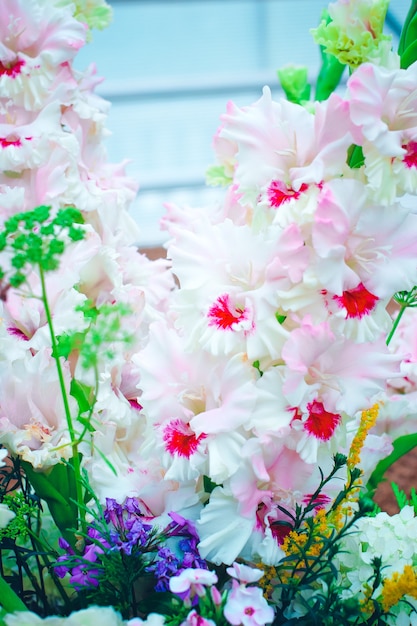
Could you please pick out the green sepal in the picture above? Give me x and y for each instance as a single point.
(208, 484)
(280, 317)
(355, 158)
(401, 446)
(57, 488)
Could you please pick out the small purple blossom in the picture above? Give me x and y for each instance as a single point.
(82, 577)
(165, 565)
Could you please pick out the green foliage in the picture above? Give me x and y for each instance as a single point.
(307, 578)
(23, 509)
(33, 238)
(98, 340)
(401, 446)
(57, 489)
(407, 48)
(406, 299)
(401, 497)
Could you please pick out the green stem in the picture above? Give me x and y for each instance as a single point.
(74, 443)
(9, 600)
(395, 324)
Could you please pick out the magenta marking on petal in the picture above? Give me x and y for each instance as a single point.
(5, 142)
(321, 423)
(357, 302)
(11, 69)
(135, 404)
(223, 315)
(16, 332)
(278, 193)
(180, 439)
(410, 158)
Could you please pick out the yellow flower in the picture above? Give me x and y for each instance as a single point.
(398, 586)
(368, 419)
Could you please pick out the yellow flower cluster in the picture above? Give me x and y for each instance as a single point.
(308, 542)
(368, 419)
(398, 586)
(270, 573)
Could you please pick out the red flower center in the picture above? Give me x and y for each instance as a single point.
(410, 158)
(278, 193)
(249, 610)
(11, 69)
(357, 302)
(180, 440)
(321, 423)
(224, 315)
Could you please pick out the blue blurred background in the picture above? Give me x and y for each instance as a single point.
(171, 66)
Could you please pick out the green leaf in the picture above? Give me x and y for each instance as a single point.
(408, 37)
(9, 600)
(83, 394)
(106, 460)
(67, 343)
(401, 446)
(57, 488)
(400, 496)
(409, 55)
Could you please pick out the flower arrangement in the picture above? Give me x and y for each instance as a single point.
(197, 440)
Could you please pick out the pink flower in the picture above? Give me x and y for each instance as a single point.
(191, 582)
(37, 40)
(244, 573)
(359, 242)
(282, 141)
(194, 619)
(331, 374)
(383, 104)
(247, 606)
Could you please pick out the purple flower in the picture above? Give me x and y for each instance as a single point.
(61, 570)
(113, 513)
(82, 576)
(165, 565)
